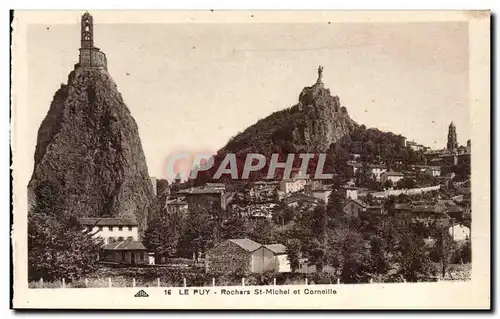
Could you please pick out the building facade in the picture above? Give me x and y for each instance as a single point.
(392, 176)
(356, 208)
(111, 229)
(240, 256)
(126, 252)
(292, 185)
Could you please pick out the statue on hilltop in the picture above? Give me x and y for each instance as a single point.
(320, 74)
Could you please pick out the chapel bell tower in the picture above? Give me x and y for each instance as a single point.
(87, 31)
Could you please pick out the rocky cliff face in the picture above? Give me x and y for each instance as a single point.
(324, 120)
(312, 125)
(88, 147)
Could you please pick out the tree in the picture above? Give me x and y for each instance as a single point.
(379, 260)
(234, 227)
(199, 233)
(349, 254)
(162, 234)
(405, 183)
(363, 175)
(57, 246)
(293, 253)
(262, 231)
(388, 184)
(413, 259)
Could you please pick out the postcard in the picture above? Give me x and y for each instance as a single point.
(251, 159)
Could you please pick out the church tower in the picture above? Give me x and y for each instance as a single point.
(452, 145)
(90, 56)
(87, 30)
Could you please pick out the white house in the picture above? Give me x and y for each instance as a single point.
(292, 185)
(281, 258)
(433, 171)
(111, 229)
(377, 170)
(459, 232)
(392, 176)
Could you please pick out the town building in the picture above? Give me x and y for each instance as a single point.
(240, 256)
(376, 170)
(392, 176)
(402, 140)
(292, 185)
(415, 146)
(211, 198)
(111, 229)
(356, 208)
(433, 171)
(128, 252)
(301, 200)
(121, 240)
(353, 192)
(428, 215)
(177, 205)
(262, 190)
(459, 232)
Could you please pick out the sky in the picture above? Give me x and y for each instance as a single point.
(191, 87)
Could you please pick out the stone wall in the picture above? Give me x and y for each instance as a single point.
(92, 57)
(411, 191)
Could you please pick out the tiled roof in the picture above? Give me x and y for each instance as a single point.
(301, 198)
(247, 244)
(393, 173)
(107, 222)
(400, 206)
(378, 166)
(357, 201)
(176, 201)
(125, 245)
(437, 209)
(276, 248)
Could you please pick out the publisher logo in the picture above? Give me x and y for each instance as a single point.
(141, 293)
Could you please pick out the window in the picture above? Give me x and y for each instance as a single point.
(110, 228)
(111, 240)
(130, 238)
(141, 255)
(120, 228)
(129, 228)
(120, 238)
(123, 255)
(100, 228)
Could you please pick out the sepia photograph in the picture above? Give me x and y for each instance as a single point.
(279, 160)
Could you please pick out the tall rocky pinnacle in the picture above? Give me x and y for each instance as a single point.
(312, 125)
(88, 145)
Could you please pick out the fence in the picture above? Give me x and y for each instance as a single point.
(109, 283)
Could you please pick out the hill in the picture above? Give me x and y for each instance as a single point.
(89, 152)
(318, 123)
(312, 125)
